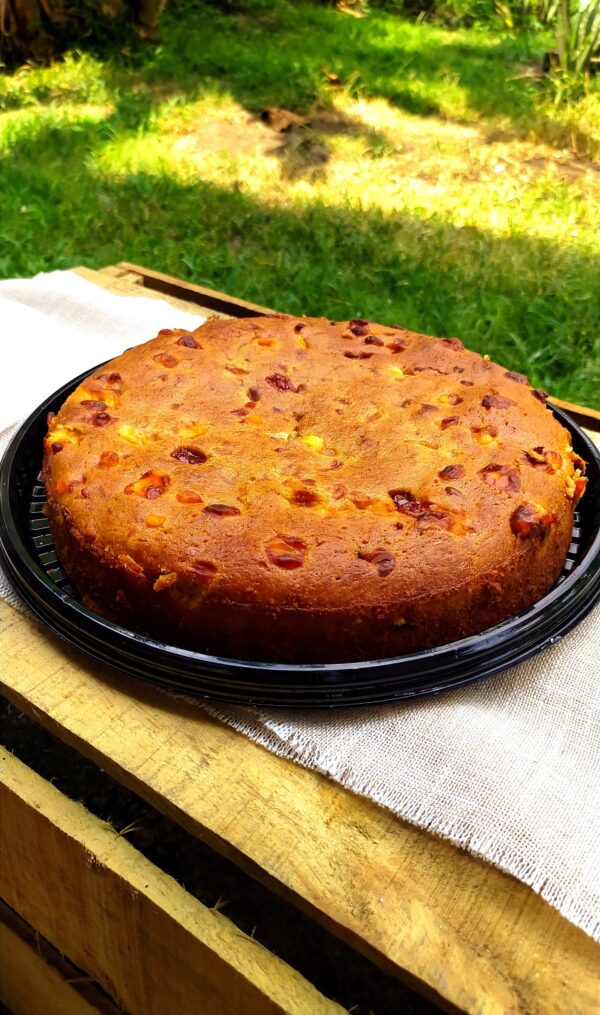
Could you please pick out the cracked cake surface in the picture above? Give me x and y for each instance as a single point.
(295, 489)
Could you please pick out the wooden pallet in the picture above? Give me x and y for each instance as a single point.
(454, 927)
(153, 948)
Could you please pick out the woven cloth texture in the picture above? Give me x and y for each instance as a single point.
(508, 768)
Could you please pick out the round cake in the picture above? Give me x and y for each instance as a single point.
(300, 490)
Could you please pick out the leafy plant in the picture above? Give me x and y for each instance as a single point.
(578, 34)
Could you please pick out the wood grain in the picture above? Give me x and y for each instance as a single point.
(585, 417)
(36, 980)
(450, 924)
(127, 283)
(28, 986)
(156, 281)
(152, 946)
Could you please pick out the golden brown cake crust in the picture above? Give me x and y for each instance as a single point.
(295, 489)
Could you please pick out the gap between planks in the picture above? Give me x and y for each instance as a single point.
(448, 923)
(37, 980)
(152, 946)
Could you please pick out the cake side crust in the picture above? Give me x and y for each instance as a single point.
(296, 489)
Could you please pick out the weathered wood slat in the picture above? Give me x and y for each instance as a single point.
(36, 980)
(126, 283)
(450, 924)
(148, 942)
(156, 281)
(583, 416)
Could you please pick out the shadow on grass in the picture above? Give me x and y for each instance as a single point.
(275, 57)
(526, 301)
(304, 151)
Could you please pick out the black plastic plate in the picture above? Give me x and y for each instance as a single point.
(28, 552)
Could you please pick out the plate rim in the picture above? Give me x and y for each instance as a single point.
(575, 595)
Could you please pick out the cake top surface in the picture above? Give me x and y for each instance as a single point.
(302, 461)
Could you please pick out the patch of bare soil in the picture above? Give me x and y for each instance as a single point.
(430, 149)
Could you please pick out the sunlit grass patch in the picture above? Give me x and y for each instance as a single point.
(78, 78)
(436, 187)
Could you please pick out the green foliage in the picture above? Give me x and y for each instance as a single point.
(107, 159)
(575, 23)
(504, 14)
(578, 35)
(453, 12)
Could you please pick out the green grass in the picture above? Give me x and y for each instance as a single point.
(441, 189)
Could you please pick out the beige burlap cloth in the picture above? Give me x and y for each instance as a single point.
(508, 768)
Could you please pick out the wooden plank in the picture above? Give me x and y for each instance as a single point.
(29, 986)
(583, 416)
(448, 923)
(148, 942)
(126, 283)
(156, 281)
(36, 980)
